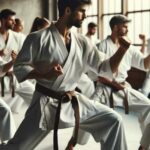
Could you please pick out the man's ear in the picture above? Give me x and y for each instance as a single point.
(67, 11)
(115, 28)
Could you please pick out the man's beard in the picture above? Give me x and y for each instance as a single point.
(77, 24)
(123, 34)
(10, 27)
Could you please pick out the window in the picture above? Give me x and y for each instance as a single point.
(137, 10)
(92, 16)
(110, 8)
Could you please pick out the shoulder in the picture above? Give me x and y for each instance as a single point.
(134, 51)
(83, 40)
(102, 44)
(40, 35)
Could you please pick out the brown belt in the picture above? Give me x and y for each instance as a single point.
(10, 75)
(125, 100)
(114, 88)
(63, 97)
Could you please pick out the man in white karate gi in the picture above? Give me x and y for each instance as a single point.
(7, 123)
(137, 102)
(57, 64)
(91, 32)
(11, 42)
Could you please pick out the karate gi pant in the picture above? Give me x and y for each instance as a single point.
(137, 102)
(86, 85)
(145, 140)
(23, 92)
(102, 122)
(7, 124)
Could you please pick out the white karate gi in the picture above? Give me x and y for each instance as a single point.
(136, 100)
(146, 84)
(24, 89)
(145, 138)
(7, 124)
(47, 46)
(86, 85)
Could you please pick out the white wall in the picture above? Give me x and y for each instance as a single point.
(27, 10)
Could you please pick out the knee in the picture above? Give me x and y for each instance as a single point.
(4, 110)
(117, 118)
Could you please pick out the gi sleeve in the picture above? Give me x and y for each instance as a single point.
(137, 58)
(99, 64)
(23, 63)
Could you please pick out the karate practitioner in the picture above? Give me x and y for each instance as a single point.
(11, 41)
(7, 123)
(145, 142)
(137, 102)
(91, 31)
(19, 25)
(57, 67)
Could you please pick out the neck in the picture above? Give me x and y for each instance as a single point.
(62, 27)
(3, 30)
(4, 33)
(114, 38)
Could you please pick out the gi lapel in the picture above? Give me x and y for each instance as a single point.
(64, 51)
(10, 45)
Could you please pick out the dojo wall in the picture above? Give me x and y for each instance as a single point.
(29, 9)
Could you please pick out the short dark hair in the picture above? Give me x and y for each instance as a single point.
(92, 25)
(39, 23)
(18, 21)
(5, 13)
(73, 4)
(118, 19)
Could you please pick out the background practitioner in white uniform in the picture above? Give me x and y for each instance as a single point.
(11, 41)
(137, 101)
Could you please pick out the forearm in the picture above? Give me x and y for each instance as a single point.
(51, 74)
(147, 62)
(143, 47)
(143, 39)
(34, 74)
(7, 66)
(116, 59)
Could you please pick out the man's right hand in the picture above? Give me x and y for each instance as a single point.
(56, 71)
(142, 37)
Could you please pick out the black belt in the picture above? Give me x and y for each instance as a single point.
(62, 97)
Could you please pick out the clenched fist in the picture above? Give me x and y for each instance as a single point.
(55, 71)
(142, 37)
